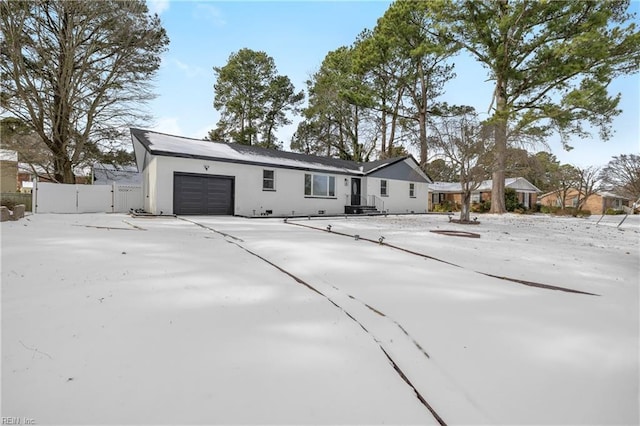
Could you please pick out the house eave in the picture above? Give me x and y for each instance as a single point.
(253, 163)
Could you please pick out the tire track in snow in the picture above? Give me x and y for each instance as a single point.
(236, 241)
(426, 256)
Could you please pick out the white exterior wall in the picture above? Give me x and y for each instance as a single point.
(150, 187)
(249, 198)
(398, 200)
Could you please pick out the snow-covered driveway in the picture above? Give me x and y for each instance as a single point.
(113, 319)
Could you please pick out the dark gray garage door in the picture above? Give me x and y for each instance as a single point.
(202, 194)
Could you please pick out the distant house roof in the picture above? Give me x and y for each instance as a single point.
(8, 155)
(609, 194)
(519, 184)
(603, 194)
(176, 146)
(107, 173)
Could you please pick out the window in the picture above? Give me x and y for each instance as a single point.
(268, 180)
(475, 197)
(383, 188)
(412, 190)
(319, 185)
(574, 202)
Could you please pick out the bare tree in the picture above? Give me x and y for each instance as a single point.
(565, 178)
(587, 184)
(32, 151)
(462, 139)
(622, 174)
(78, 72)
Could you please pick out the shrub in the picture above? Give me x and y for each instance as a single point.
(482, 207)
(550, 209)
(10, 204)
(613, 211)
(511, 200)
(446, 206)
(476, 208)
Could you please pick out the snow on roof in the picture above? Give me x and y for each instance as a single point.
(29, 168)
(608, 194)
(8, 155)
(572, 191)
(519, 184)
(445, 187)
(168, 145)
(114, 168)
(105, 174)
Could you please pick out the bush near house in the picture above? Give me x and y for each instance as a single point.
(10, 200)
(613, 211)
(549, 209)
(511, 200)
(483, 207)
(10, 204)
(446, 206)
(567, 211)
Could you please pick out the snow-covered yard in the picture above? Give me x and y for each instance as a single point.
(219, 320)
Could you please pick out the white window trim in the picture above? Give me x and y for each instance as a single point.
(412, 190)
(386, 188)
(329, 178)
(274, 180)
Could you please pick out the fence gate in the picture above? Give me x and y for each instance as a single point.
(69, 198)
(127, 197)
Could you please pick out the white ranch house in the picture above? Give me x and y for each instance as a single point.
(189, 176)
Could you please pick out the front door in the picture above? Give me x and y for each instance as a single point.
(355, 191)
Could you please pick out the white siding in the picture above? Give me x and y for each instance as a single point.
(249, 198)
(398, 200)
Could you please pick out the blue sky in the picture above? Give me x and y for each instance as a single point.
(298, 35)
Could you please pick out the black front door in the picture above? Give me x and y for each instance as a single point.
(355, 191)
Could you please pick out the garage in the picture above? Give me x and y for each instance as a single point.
(197, 194)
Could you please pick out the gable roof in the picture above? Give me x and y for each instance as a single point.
(572, 192)
(519, 184)
(177, 146)
(104, 173)
(8, 155)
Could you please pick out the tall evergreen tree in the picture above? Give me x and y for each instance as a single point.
(253, 99)
(551, 63)
(337, 121)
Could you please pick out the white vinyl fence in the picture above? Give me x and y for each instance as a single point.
(66, 198)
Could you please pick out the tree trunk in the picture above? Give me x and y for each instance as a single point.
(383, 130)
(422, 110)
(466, 206)
(63, 170)
(61, 136)
(501, 117)
(500, 152)
(394, 123)
(422, 120)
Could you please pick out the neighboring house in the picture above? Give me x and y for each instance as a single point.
(597, 203)
(107, 174)
(442, 192)
(8, 171)
(189, 176)
(27, 173)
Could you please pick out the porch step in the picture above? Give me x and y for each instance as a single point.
(360, 210)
